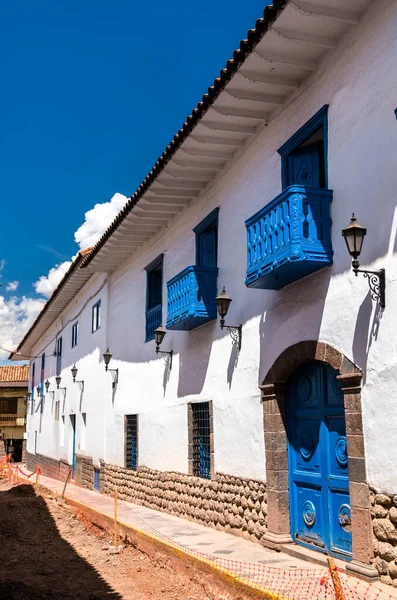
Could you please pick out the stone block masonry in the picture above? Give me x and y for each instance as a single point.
(50, 467)
(232, 504)
(384, 523)
(84, 474)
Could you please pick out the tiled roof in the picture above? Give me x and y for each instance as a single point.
(254, 36)
(77, 261)
(14, 374)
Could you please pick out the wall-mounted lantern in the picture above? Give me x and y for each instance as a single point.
(236, 331)
(27, 398)
(58, 380)
(354, 237)
(107, 357)
(74, 375)
(48, 391)
(159, 335)
(38, 390)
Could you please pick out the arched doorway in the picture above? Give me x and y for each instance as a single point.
(320, 511)
(274, 401)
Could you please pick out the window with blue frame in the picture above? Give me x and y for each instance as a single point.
(42, 373)
(304, 155)
(207, 240)
(154, 296)
(97, 479)
(75, 332)
(131, 442)
(201, 439)
(59, 356)
(96, 316)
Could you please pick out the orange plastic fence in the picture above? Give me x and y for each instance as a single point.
(273, 583)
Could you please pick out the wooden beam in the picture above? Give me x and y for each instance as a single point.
(258, 77)
(306, 38)
(207, 139)
(287, 59)
(255, 96)
(244, 113)
(228, 126)
(315, 10)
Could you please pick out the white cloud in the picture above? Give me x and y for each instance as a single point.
(16, 316)
(46, 284)
(97, 220)
(12, 286)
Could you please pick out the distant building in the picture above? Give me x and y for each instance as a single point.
(13, 392)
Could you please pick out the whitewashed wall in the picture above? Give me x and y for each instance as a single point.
(358, 81)
(87, 355)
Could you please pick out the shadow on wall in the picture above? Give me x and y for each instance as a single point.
(363, 335)
(51, 567)
(194, 359)
(290, 311)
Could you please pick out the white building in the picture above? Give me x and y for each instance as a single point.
(288, 439)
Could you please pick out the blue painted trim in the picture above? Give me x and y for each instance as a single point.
(149, 331)
(211, 219)
(155, 263)
(98, 319)
(318, 120)
(207, 221)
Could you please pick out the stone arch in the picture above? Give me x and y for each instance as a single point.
(276, 447)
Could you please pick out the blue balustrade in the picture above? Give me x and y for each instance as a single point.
(191, 298)
(154, 318)
(289, 238)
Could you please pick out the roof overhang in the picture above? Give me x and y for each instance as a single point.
(71, 283)
(282, 50)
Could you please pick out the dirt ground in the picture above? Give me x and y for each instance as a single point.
(49, 551)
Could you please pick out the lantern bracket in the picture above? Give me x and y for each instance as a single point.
(235, 331)
(376, 282)
(167, 356)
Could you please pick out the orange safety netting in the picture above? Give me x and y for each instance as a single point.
(256, 580)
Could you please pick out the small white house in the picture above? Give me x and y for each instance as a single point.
(281, 426)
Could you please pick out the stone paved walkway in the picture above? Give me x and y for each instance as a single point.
(216, 544)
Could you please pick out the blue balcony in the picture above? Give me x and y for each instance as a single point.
(191, 298)
(289, 238)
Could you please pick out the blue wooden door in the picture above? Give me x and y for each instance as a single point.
(319, 483)
(304, 166)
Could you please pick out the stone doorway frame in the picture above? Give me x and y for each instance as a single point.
(276, 449)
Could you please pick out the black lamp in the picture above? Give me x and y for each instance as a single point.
(38, 390)
(58, 380)
(159, 335)
(107, 357)
(354, 235)
(223, 302)
(74, 375)
(47, 385)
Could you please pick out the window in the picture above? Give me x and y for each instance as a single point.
(154, 291)
(59, 355)
(42, 373)
(207, 240)
(96, 316)
(8, 406)
(304, 155)
(32, 389)
(200, 439)
(75, 331)
(131, 442)
(56, 414)
(97, 479)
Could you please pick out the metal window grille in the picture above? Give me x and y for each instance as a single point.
(131, 450)
(201, 440)
(57, 403)
(59, 356)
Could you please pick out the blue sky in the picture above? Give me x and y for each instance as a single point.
(91, 93)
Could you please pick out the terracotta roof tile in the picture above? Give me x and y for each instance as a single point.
(14, 373)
